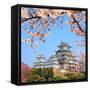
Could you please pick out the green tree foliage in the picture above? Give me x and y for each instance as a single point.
(48, 74)
(57, 78)
(75, 76)
(42, 74)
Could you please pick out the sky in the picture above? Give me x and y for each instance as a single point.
(28, 56)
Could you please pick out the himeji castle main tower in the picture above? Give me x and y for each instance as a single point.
(64, 56)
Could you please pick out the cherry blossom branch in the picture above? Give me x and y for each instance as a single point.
(77, 23)
(30, 18)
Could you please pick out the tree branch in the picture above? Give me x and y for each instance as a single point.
(30, 18)
(77, 23)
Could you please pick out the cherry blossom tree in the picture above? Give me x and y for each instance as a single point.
(41, 22)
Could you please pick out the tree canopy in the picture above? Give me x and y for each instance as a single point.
(41, 22)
